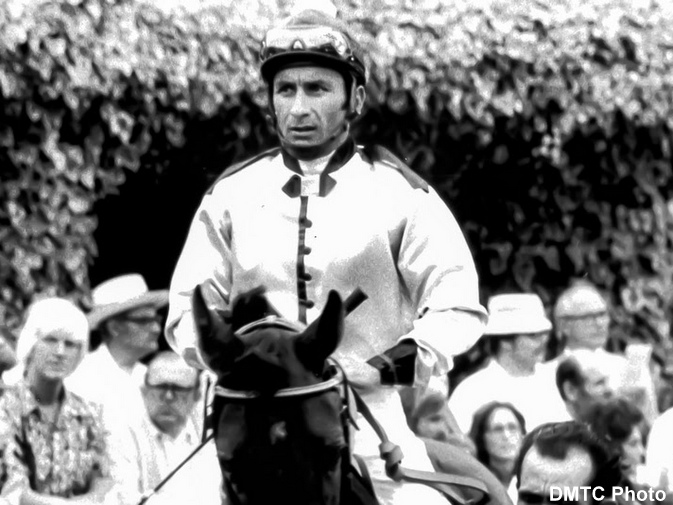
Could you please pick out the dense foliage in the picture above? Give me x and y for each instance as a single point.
(545, 125)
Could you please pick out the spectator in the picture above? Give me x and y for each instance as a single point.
(561, 455)
(623, 426)
(171, 393)
(582, 381)
(581, 317)
(450, 451)
(497, 431)
(125, 315)
(56, 447)
(582, 322)
(518, 330)
(432, 419)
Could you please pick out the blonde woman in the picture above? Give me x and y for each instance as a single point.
(55, 449)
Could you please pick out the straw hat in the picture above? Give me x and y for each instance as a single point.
(120, 294)
(516, 313)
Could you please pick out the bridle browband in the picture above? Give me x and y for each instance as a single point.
(336, 381)
(268, 322)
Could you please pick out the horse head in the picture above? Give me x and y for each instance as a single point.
(280, 431)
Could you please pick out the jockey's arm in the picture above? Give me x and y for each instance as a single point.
(203, 260)
(439, 273)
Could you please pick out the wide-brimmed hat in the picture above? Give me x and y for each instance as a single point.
(120, 294)
(516, 313)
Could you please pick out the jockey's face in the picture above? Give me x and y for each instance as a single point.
(311, 110)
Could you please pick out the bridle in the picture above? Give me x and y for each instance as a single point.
(352, 402)
(335, 379)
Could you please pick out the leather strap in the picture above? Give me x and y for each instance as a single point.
(392, 456)
(364, 472)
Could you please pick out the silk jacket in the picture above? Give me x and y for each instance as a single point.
(372, 224)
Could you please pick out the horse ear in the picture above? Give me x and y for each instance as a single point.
(322, 336)
(215, 338)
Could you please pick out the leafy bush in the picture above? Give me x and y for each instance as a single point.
(546, 126)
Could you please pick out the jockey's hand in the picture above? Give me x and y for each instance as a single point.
(397, 365)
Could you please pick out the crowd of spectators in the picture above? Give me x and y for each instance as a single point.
(553, 403)
(102, 425)
(93, 409)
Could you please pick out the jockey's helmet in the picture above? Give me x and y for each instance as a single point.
(312, 37)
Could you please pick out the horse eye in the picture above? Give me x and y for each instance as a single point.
(225, 464)
(330, 456)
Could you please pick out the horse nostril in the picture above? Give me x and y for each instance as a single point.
(278, 432)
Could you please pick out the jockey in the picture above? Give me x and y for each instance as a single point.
(321, 213)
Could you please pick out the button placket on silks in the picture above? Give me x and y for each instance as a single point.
(303, 276)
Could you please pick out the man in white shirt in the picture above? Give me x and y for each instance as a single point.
(519, 329)
(125, 315)
(171, 393)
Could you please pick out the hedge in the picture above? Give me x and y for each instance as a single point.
(545, 125)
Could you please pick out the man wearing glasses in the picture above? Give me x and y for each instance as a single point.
(582, 320)
(125, 318)
(171, 395)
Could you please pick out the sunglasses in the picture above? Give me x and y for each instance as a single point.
(162, 389)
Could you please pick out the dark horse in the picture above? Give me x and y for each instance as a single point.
(279, 418)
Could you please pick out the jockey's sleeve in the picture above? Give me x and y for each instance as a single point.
(438, 271)
(204, 260)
